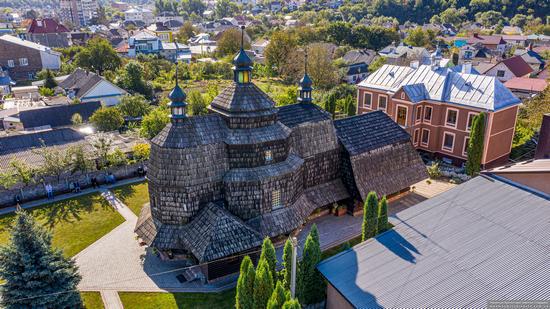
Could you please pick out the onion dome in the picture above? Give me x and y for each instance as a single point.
(177, 105)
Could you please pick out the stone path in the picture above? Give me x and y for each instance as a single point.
(111, 300)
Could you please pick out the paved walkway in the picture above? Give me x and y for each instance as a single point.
(66, 196)
(111, 300)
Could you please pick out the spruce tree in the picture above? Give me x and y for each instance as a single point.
(36, 275)
(268, 254)
(475, 145)
(292, 304)
(370, 216)
(263, 285)
(286, 273)
(244, 299)
(311, 286)
(49, 81)
(277, 298)
(382, 215)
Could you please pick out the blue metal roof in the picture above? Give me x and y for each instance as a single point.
(482, 240)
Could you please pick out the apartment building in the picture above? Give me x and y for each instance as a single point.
(78, 12)
(436, 106)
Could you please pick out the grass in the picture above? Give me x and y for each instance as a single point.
(131, 300)
(75, 223)
(133, 195)
(92, 300)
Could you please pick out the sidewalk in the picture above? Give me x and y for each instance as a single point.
(66, 196)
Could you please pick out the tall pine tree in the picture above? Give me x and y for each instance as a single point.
(370, 216)
(268, 254)
(382, 215)
(311, 286)
(36, 275)
(286, 273)
(475, 145)
(244, 299)
(277, 298)
(263, 285)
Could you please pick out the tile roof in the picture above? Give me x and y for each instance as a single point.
(444, 85)
(295, 114)
(518, 66)
(56, 116)
(528, 84)
(486, 39)
(46, 25)
(377, 130)
(482, 240)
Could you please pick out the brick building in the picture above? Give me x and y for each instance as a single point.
(48, 32)
(222, 182)
(436, 107)
(24, 59)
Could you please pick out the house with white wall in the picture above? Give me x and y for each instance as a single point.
(87, 87)
(508, 68)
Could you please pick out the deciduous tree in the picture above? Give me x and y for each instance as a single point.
(134, 106)
(154, 122)
(98, 56)
(107, 119)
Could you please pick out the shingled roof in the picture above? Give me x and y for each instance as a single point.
(243, 98)
(365, 132)
(194, 131)
(80, 81)
(296, 114)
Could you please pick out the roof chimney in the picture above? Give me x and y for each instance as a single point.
(543, 146)
(467, 68)
(476, 35)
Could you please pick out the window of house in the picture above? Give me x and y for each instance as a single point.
(402, 115)
(382, 102)
(367, 100)
(452, 115)
(465, 149)
(23, 61)
(448, 141)
(428, 113)
(416, 136)
(276, 200)
(11, 63)
(425, 137)
(500, 73)
(268, 156)
(470, 121)
(418, 115)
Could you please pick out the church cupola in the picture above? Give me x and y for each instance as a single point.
(242, 64)
(177, 104)
(304, 91)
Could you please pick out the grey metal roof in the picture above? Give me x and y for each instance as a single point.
(56, 116)
(444, 85)
(482, 240)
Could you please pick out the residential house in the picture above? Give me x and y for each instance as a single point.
(143, 43)
(357, 62)
(259, 46)
(524, 87)
(48, 32)
(164, 33)
(176, 52)
(508, 68)
(511, 30)
(436, 106)
(516, 40)
(543, 145)
(24, 59)
(87, 87)
(165, 17)
(481, 244)
(403, 54)
(492, 42)
(139, 15)
(532, 58)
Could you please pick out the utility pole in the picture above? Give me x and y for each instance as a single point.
(293, 273)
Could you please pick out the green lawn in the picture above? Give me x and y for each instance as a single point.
(131, 300)
(133, 195)
(92, 300)
(75, 223)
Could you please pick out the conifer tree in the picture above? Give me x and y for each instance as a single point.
(287, 264)
(370, 216)
(314, 232)
(268, 254)
(277, 298)
(475, 145)
(292, 304)
(36, 275)
(244, 299)
(311, 286)
(263, 285)
(382, 215)
(49, 81)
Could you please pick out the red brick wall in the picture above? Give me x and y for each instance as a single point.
(9, 51)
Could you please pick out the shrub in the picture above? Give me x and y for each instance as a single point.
(434, 171)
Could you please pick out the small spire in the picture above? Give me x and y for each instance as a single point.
(242, 37)
(305, 63)
(305, 89)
